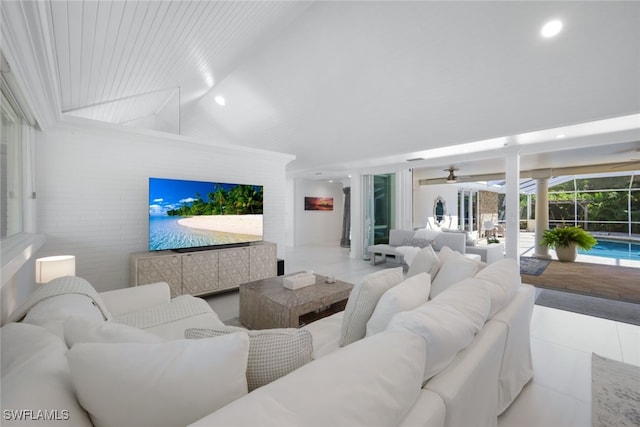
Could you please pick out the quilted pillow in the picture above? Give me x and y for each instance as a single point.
(406, 296)
(363, 300)
(273, 353)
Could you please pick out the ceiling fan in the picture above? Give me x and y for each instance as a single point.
(452, 178)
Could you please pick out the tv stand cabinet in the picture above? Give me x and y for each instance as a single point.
(205, 272)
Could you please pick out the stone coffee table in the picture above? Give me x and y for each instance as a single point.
(268, 304)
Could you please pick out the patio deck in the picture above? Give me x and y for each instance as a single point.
(610, 278)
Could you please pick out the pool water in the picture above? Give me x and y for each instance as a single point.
(614, 249)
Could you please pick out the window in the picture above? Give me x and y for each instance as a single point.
(11, 162)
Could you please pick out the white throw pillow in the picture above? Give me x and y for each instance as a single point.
(406, 296)
(35, 376)
(426, 234)
(425, 261)
(447, 326)
(273, 353)
(373, 382)
(444, 253)
(455, 268)
(78, 329)
(167, 384)
(408, 253)
(469, 297)
(362, 301)
(503, 280)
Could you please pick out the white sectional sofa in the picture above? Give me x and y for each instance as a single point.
(400, 354)
(415, 238)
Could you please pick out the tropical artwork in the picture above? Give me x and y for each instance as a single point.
(185, 214)
(318, 203)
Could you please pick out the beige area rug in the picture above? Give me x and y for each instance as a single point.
(615, 393)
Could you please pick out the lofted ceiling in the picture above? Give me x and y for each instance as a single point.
(347, 85)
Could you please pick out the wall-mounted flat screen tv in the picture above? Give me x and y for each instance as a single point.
(190, 215)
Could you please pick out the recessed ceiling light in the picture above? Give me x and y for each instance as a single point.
(551, 28)
(331, 181)
(559, 136)
(348, 176)
(220, 100)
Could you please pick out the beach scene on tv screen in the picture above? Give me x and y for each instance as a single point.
(187, 214)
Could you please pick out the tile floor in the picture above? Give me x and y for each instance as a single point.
(562, 342)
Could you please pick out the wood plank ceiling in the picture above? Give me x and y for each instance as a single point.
(123, 61)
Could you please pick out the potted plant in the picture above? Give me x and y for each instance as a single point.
(567, 240)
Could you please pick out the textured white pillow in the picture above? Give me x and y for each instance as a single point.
(362, 301)
(78, 329)
(425, 261)
(273, 353)
(168, 384)
(35, 375)
(406, 296)
(455, 268)
(373, 382)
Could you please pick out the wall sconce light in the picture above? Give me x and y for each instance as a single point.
(52, 267)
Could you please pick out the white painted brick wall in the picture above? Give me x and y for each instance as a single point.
(92, 193)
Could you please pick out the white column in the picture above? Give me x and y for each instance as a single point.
(461, 219)
(404, 200)
(542, 217)
(470, 210)
(356, 216)
(512, 201)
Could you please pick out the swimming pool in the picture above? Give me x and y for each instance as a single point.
(614, 249)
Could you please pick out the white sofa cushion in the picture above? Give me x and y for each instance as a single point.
(425, 261)
(273, 353)
(35, 377)
(79, 329)
(167, 384)
(447, 323)
(326, 334)
(372, 382)
(407, 295)
(362, 301)
(455, 268)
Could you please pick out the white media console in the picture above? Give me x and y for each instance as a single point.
(205, 272)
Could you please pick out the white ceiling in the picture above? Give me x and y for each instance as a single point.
(348, 85)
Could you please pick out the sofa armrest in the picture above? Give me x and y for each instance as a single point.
(135, 298)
